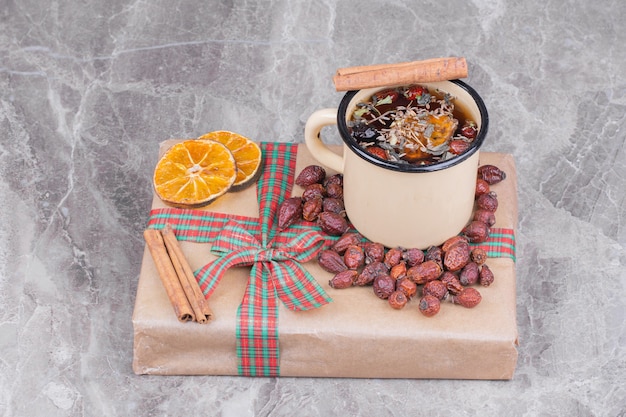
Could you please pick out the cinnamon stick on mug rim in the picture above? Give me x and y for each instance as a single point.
(403, 73)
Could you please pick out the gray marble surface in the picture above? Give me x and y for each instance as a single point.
(89, 88)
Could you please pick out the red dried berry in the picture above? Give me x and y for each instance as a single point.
(384, 285)
(486, 277)
(289, 212)
(332, 223)
(487, 202)
(310, 175)
(429, 305)
(413, 256)
(374, 252)
(469, 297)
(393, 257)
(333, 205)
(354, 257)
(469, 274)
(346, 240)
(343, 279)
(435, 288)
(485, 216)
(397, 300)
(478, 255)
(491, 173)
(377, 152)
(482, 187)
(313, 191)
(408, 287)
(476, 232)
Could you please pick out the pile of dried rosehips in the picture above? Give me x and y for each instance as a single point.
(447, 271)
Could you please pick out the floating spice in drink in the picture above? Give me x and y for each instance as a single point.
(412, 125)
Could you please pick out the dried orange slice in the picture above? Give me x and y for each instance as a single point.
(246, 152)
(193, 173)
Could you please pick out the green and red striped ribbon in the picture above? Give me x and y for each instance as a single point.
(275, 258)
(501, 243)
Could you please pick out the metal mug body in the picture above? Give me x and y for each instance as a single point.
(402, 205)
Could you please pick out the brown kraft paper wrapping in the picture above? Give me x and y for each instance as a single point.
(350, 337)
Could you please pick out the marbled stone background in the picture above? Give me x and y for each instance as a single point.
(89, 88)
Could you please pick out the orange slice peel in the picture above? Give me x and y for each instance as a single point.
(247, 154)
(193, 173)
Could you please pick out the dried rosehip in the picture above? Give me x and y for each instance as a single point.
(434, 253)
(333, 205)
(482, 187)
(334, 191)
(311, 174)
(332, 223)
(478, 255)
(469, 274)
(393, 257)
(415, 92)
(391, 94)
(313, 191)
(487, 202)
(377, 151)
(384, 285)
(398, 271)
(452, 282)
(397, 300)
(491, 173)
(331, 261)
(429, 305)
(408, 287)
(485, 216)
(311, 209)
(346, 240)
(374, 252)
(469, 130)
(458, 146)
(370, 272)
(343, 279)
(354, 257)
(476, 232)
(289, 212)
(424, 272)
(486, 277)
(457, 256)
(334, 179)
(413, 256)
(468, 297)
(435, 288)
(452, 241)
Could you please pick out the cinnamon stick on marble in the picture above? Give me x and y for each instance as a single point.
(167, 273)
(404, 73)
(196, 298)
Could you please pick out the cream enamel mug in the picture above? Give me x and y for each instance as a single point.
(402, 205)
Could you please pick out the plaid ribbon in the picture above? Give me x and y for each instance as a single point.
(501, 243)
(275, 259)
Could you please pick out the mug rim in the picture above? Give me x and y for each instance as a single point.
(396, 166)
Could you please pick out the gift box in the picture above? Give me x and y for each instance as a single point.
(274, 313)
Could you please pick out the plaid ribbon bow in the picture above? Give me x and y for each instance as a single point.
(276, 274)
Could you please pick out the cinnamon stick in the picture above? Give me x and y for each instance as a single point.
(168, 275)
(404, 73)
(198, 302)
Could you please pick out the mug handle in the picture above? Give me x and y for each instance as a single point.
(319, 150)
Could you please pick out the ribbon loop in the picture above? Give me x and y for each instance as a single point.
(276, 273)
